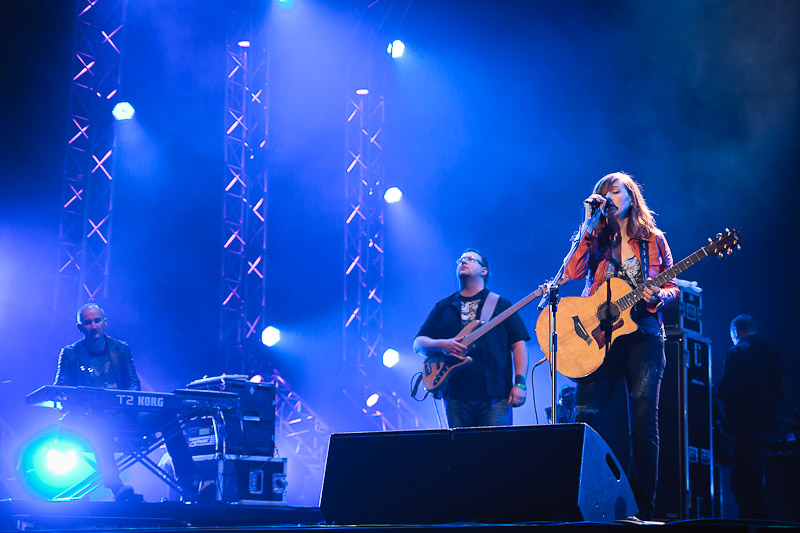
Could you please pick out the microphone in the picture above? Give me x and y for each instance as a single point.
(595, 203)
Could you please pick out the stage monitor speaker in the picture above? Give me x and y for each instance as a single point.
(487, 475)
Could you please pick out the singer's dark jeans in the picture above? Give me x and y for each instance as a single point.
(639, 359)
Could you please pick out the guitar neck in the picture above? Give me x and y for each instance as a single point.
(630, 299)
(470, 338)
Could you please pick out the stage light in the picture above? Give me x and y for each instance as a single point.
(61, 462)
(393, 195)
(390, 358)
(362, 92)
(52, 462)
(396, 48)
(372, 399)
(244, 44)
(258, 378)
(123, 111)
(270, 336)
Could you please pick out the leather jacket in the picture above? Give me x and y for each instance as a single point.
(74, 360)
(591, 262)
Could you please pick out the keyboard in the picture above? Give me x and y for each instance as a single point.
(91, 398)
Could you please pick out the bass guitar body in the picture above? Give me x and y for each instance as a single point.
(438, 367)
(586, 328)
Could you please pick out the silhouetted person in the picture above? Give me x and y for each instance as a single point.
(750, 391)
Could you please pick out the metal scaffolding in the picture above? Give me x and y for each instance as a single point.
(86, 208)
(300, 435)
(244, 212)
(303, 439)
(364, 254)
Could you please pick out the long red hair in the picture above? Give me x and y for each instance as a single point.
(640, 219)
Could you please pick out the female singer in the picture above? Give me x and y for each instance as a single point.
(624, 242)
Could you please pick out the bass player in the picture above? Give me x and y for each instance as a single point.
(481, 393)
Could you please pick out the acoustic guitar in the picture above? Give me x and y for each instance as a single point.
(587, 326)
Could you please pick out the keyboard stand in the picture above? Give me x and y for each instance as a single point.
(136, 453)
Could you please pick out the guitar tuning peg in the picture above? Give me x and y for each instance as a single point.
(738, 246)
(730, 251)
(719, 254)
(719, 235)
(709, 240)
(728, 231)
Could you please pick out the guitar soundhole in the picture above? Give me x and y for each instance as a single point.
(607, 314)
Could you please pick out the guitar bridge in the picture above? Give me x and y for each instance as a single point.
(580, 331)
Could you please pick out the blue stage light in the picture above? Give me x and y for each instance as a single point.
(52, 462)
(396, 48)
(123, 111)
(270, 336)
(391, 357)
(372, 399)
(393, 195)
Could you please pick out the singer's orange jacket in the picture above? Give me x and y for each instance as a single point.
(589, 258)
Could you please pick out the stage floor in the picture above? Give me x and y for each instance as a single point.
(163, 517)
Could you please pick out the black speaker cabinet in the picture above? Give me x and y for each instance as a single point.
(685, 471)
(497, 475)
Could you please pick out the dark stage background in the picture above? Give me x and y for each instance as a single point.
(500, 118)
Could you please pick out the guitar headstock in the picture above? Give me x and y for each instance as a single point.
(725, 243)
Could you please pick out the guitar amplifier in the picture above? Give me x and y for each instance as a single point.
(688, 314)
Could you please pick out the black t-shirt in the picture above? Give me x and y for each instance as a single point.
(491, 373)
(101, 373)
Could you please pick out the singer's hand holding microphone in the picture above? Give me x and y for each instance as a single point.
(597, 201)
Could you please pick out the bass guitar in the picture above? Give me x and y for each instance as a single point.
(439, 367)
(587, 326)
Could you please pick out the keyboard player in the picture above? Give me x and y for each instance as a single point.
(101, 361)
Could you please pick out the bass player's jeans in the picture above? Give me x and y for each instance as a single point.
(639, 359)
(477, 413)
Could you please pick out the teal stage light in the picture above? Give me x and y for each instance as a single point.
(52, 462)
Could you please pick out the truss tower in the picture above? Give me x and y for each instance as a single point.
(86, 207)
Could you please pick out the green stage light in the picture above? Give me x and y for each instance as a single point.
(51, 462)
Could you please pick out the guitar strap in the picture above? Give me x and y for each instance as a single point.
(644, 255)
(488, 307)
(487, 311)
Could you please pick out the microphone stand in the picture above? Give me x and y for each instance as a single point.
(551, 297)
